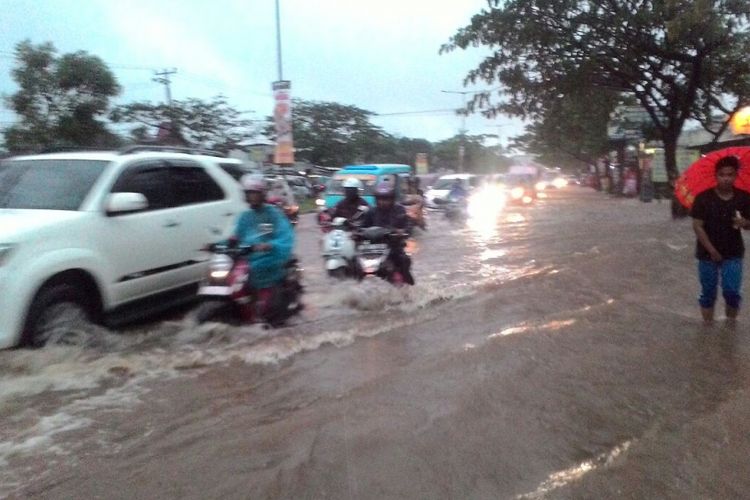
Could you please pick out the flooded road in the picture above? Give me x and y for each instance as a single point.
(554, 353)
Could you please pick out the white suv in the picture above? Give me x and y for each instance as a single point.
(106, 236)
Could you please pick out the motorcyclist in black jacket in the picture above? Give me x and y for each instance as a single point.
(388, 213)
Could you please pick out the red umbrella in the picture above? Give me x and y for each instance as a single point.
(701, 175)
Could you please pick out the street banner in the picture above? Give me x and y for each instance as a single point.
(282, 115)
(421, 164)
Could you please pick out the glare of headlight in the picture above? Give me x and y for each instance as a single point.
(516, 193)
(527, 199)
(484, 207)
(541, 186)
(559, 182)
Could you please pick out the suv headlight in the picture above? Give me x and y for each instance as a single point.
(5, 250)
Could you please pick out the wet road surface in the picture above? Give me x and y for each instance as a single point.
(554, 353)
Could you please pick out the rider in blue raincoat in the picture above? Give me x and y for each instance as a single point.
(268, 229)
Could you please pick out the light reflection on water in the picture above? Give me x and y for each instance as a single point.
(551, 326)
(564, 477)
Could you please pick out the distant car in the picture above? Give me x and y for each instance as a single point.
(521, 188)
(302, 187)
(106, 236)
(279, 187)
(443, 185)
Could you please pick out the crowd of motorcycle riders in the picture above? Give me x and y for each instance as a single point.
(257, 263)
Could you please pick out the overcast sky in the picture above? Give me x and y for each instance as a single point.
(379, 55)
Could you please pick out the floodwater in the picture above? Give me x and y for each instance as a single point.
(553, 352)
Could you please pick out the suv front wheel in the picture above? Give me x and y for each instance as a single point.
(58, 314)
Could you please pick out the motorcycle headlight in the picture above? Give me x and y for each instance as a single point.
(5, 250)
(516, 193)
(320, 202)
(541, 186)
(219, 267)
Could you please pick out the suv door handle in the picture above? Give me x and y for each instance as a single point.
(171, 223)
(228, 214)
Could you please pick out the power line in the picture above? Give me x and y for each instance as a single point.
(423, 112)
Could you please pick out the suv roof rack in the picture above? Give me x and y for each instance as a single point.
(70, 149)
(137, 148)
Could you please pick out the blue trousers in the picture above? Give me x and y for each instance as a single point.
(730, 271)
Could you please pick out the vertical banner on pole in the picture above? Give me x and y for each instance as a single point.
(282, 114)
(421, 164)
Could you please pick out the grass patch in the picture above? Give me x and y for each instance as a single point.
(307, 206)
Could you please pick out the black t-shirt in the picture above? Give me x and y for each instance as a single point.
(717, 215)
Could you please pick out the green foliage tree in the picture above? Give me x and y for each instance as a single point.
(60, 100)
(212, 124)
(333, 134)
(571, 132)
(478, 158)
(680, 59)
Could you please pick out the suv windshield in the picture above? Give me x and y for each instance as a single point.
(47, 184)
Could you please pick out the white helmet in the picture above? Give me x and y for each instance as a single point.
(253, 182)
(351, 182)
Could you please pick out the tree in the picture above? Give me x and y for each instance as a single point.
(571, 132)
(405, 149)
(60, 99)
(333, 134)
(211, 124)
(680, 59)
(478, 158)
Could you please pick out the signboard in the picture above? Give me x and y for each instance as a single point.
(421, 164)
(282, 115)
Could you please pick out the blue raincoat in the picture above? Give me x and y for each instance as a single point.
(266, 225)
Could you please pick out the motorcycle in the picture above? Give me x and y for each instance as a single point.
(454, 209)
(414, 205)
(374, 247)
(339, 249)
(227, 296)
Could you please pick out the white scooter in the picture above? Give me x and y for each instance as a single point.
(339, 247)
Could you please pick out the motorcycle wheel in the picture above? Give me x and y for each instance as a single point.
(216, 311)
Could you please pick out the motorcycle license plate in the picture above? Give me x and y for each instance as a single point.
(373, 247)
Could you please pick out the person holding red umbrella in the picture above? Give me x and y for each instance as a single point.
(719, 213)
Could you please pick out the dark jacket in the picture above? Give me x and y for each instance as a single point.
(348, 208)
(394, 218)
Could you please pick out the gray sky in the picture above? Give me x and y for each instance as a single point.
(379, 55)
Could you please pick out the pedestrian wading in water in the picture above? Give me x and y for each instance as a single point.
(719, 215)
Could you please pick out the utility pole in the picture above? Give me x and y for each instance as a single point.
(163, 78)
(462, 146)
(278, 40)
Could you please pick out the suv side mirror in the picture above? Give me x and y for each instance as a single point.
(120, 203)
